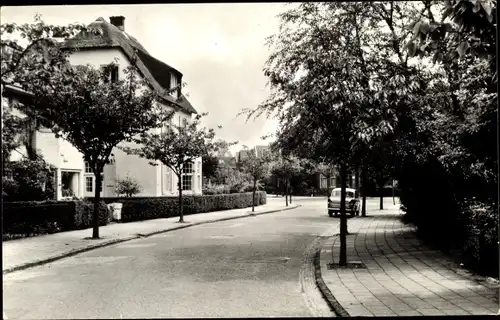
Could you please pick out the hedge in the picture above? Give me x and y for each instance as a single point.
(31, 218)
(144, 208)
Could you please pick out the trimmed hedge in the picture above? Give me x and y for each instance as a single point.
(145, 208)
(31, 218)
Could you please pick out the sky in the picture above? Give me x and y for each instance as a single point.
(219, 48)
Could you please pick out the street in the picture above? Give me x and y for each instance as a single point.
(251, 267)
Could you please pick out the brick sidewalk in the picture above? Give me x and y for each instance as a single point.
(401, 276)
(23, 253)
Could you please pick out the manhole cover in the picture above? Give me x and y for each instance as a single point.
(350, 265)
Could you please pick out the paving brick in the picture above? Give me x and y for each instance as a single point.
(430, 312)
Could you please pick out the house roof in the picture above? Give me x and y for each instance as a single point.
(102, 34)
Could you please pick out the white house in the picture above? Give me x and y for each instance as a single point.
(110, 43)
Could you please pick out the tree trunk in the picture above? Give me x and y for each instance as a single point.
(286, 193)
(97, 201)
(253, 194)
(180, 209)
(363, 189)
(290, 193)
(343, 218)
(381, 193)
(357, 185)
(328, 185)
(393, 198)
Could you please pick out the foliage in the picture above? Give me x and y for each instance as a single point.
(216, 189)
(447, 156)
(127, 186)
(466, 27)
(12, 125)
(28, 180)
(176, 148)
(210, 164)
(31, 218)
(13, 53)
(256, 167)
(480, 237)
(138, 209)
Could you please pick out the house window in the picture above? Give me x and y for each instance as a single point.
(89, 184)
(110, 73)
(187, 176)
(187, 182)
(88, 169)
(168, 125)
(173, 84)
(185, 123)
(168, 179)
(188, 168)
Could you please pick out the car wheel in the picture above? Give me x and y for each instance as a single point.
(330, 213)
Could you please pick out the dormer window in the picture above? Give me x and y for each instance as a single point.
(174, 83)
(110, 73)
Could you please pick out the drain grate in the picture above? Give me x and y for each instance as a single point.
(350, 265)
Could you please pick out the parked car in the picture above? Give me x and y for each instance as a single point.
(352, 204)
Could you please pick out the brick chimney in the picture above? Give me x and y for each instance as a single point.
(118, 21)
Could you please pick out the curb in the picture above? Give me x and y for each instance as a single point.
(137, 236)
(323, 288)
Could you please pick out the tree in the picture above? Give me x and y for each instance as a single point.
(380, 171)
(128, 187)
(257, 168)
(337, 78)
(210, 164)
(77, 105)
(177, 148)
(285, 168)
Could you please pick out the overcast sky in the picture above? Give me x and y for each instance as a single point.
(219, 48)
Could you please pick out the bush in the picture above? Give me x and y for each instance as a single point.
(216, 189)
(480, 251)
(31, 218)
(137, 209)
(128, 187)
(27, 180)
(84, 211)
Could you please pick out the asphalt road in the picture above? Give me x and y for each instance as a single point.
(250, 267)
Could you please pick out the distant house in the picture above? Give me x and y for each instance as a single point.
(228, 161)
(258, 151)
(108, 42)
(261, 150)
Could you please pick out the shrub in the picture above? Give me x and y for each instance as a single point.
(30, 218)
(84, 211)
(128, 187)
(479, 228)
(137, 209)
(216, 189)
(28, 180)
